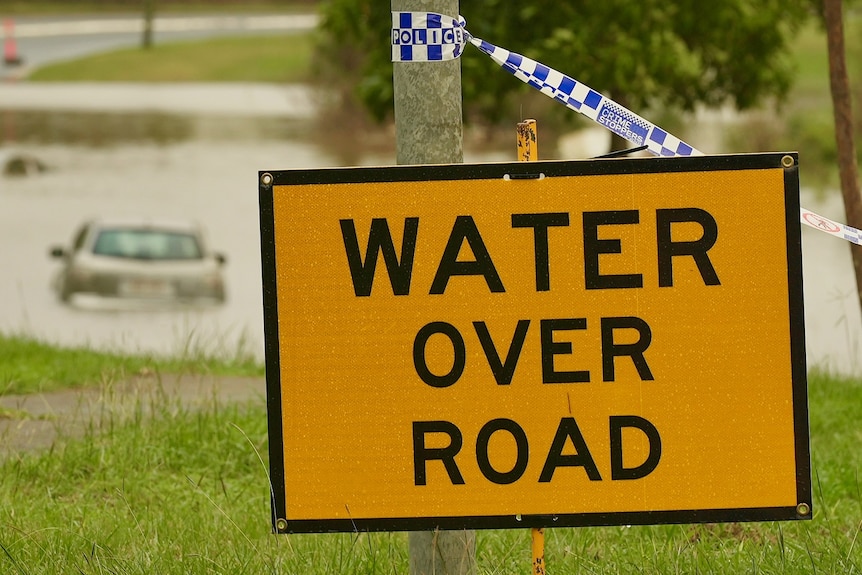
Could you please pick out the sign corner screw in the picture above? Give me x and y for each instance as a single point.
(803, 509)
(787, 161)
(266, 179)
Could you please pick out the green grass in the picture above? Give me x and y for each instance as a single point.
(29, 366)
(282, 58)
(186, 493)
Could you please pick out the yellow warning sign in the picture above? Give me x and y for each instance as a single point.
(553, 343)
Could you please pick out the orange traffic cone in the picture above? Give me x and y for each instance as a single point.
(10, 48)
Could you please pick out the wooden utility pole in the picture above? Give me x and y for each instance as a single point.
(429, 130)
(428, 114)
(842, 109)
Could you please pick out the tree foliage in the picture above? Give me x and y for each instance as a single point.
(646, 53)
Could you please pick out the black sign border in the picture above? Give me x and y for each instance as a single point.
(529, 170)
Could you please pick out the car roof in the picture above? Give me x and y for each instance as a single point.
(161, 223)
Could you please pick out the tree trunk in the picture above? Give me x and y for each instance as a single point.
(149, 12)
(842, 108)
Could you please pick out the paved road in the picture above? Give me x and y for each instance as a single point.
(40, 41)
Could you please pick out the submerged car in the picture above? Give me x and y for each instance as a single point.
(142, 259)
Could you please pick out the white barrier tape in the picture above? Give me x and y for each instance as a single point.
(831, 227)
(430, 37)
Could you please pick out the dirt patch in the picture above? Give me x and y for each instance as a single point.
(40, 420)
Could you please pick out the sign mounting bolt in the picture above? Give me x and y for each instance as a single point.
(787, 161)
(266, 179)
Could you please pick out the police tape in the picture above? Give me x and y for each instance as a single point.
(431, 37)
(427, 37)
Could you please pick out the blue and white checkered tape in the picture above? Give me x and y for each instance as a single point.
(429, 37)
(426, 37)
(583, 99)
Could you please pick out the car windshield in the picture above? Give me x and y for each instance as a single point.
(147, 244)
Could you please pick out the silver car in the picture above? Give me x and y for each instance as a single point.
(141, 259)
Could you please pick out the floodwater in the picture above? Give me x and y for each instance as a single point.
(206, 168)
(150, 164)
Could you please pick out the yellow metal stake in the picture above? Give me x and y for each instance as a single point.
(528, 151)
(538, 551)
(528, 147)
